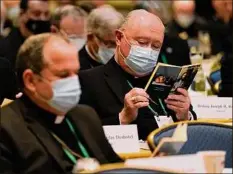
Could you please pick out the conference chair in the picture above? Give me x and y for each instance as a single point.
(120, 168)
(202, 136)
(214, 80)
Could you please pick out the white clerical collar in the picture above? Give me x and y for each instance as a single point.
(59, 119)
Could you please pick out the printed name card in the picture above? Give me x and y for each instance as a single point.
(212, 107)
(123, 138)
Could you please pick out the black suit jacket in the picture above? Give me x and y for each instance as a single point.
(104, 89)
(9, 86)
(10, 45)
(27, 147)
(86, 62)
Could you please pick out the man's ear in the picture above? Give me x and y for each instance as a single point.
(54, 29)
(29, 80)
(118, 37)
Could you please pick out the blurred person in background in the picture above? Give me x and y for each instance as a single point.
(13, 11)
(116, 89)
(185, 21)
(34, 18)
(46, 131)
(70, 21)
(170, 52)
(220, 26)
(102, 23)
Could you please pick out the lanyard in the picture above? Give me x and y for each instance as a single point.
(164, 59)
(82, 148)
(70, 153)
(150, 108)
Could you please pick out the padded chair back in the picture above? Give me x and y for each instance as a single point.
(214, 80)
(202, 136)
(130, 170)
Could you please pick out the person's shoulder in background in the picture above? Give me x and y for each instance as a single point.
(176, 50)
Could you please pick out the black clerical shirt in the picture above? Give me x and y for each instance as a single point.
(61, 130)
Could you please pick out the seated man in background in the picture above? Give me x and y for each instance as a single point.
(101, 25)
(171, 51)
(185, 20)
(71, 22)
(9, 87)
(45, 131)
(34, 19)
(108, 88)
(220, 26)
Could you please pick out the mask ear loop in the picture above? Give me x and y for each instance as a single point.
(119, 50)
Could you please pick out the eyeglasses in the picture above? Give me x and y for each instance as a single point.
(107, 43)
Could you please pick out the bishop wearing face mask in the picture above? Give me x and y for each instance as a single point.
(46, 130)
(116, 91)
(34, 18)
(100, 46)
(70, 21)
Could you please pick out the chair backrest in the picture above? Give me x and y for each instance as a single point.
(202, 136)
(130, 170)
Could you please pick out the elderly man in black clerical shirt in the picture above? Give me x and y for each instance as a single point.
(45, 131)
(99, 48)
(116, 91)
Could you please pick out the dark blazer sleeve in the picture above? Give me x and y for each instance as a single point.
(94, 135)
(6, 156)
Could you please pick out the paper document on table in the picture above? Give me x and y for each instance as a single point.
(172, 145)
(177, 163)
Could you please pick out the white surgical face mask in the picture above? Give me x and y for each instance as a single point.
(78, 42)
(66, 94)
(141, 60)
(105, 54)
(185, 20)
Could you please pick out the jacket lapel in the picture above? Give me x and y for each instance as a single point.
(42, 135)
(117, 82)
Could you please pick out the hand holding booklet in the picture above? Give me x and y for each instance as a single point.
(172, 145)
(165, 80)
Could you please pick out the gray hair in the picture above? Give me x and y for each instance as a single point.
(67, 10)
(104, 20)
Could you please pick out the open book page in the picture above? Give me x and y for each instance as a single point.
(185, 77)
(172, 145)
(160, 84)
(166, 79)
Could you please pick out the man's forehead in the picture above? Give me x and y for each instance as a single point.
(145, 25)
(57, 49)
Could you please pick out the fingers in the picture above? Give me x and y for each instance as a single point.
(183, 91)
(138, 91)
(176, 103)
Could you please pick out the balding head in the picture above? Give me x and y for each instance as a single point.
(140, 28)
(181, 6)
(139, 19)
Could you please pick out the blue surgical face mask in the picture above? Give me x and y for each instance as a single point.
(105, 54)
(66, 94)
(141, 60)
(78, 42)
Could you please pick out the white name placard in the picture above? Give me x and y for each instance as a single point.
(212, 107)
(123, 138)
